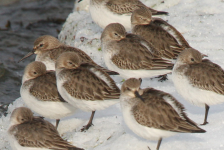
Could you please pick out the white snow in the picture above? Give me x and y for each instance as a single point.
(202, 24)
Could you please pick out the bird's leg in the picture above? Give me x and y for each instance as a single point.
(162, 78)
(158, 145)
(89, 124)
(57, 122)
(206, 114)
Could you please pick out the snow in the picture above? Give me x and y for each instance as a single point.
(201, 23)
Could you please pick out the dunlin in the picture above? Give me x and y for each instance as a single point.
(130, 55)
(47, 49)
(84, 85)
(39, 92)
(198, 80)
(104, 12)
(163, 36)
(153, 114)
(28, 132)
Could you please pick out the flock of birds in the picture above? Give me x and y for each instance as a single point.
(63, 79)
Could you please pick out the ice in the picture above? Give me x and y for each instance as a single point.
(202, 24)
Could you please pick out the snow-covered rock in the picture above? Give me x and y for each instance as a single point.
(201, 22)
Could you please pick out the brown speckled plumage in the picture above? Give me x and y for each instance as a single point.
(163, 36)
(36, 132)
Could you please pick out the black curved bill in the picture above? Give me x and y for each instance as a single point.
(27, 55)
(139, 96)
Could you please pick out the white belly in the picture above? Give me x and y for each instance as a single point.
(143, 131)
(16, 146)
(51, 110)
(195, 95)
(85, 105)
(103, 16)
(126, 74)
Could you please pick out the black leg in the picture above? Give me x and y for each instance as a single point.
(206, 114)
(89, 124)
(162, 78)
(57, 122)
(158, 145)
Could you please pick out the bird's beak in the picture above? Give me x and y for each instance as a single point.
(139, 96)
(203, 55)
(27, 55)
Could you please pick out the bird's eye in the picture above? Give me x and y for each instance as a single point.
(22, 119)
(141, 18)
(70, 62)
(128, 88)
(116, 34)
(192, 59)
(41, 45)
(35, 72)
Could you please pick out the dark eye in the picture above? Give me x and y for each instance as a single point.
(70, 62)
(116, 34)
(192, 59)
(128, 89)
(22, 119)
(41, 45)
(35, 72)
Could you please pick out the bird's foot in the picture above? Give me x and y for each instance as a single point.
(204, 123)
(85, 128)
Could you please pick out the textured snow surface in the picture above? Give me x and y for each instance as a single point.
(202, 24)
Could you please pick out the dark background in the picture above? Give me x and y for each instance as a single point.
(21, 22)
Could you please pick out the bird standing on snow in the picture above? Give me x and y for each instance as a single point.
(198, 80)
(84, 85)
(40, 94)
(104, 12)
(153, 114)
(27, 132)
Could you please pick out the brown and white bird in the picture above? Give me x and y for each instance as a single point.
(104, 12)
(27, 132)
(47, 49)
(84, 85)
(153, 114)
(164, 37)
(198, 80)
(130, 55)
(40, 94)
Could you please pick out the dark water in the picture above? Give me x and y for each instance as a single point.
(20, 24)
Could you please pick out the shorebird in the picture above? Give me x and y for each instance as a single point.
(84, 85)
(153, 114)
(130, 55)
(198, 80)
(163, 36)
(104, 12)
(27, 132)
(40, 94)
(47, 49)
